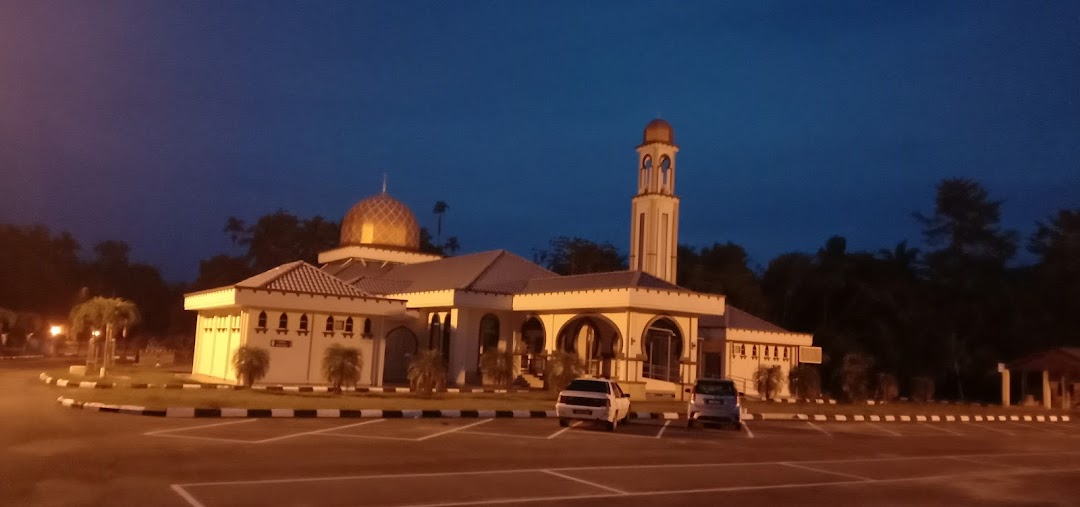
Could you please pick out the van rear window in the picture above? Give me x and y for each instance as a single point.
(716, 388)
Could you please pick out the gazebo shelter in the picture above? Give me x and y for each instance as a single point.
(1060, 369)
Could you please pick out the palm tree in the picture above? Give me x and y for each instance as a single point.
(251, 364)
(341, 366)
(427, 371)
(498, 367)
(452, 245)
(805, 381)
(767, 380)
(110, 313)
(440, 210)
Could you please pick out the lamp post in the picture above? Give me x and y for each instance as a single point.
(54, 331)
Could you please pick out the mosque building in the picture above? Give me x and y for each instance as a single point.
(379, 293)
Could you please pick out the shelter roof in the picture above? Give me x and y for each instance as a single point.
(1059, 361)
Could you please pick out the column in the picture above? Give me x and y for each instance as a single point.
(1046, 388)
(1005, 393)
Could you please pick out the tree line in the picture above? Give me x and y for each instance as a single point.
(948, 311)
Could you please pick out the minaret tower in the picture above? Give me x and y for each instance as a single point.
(654, 225)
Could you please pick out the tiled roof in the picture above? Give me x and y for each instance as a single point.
(496, 271)
(351, 270)
(300, 276)
(737, 319)
(595, 281)
(1062, 360)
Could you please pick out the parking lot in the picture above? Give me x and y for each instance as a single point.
(65, 457)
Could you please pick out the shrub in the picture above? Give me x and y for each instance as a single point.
(498, 367)
(768, 380)
(922, 389)
(341, 366)
(251, 364)
(888, 389)
(427, 371)
(855, 376)
(561, 368)
(805, 381)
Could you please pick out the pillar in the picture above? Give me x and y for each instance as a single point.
(1046, 388)
(1005, 393)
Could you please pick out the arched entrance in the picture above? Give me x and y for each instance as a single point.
(662, 346)
(595, 340)
(532, 339)
(400, 347)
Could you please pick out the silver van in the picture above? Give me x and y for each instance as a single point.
(714, 400)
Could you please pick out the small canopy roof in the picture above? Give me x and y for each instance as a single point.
(1059, 361)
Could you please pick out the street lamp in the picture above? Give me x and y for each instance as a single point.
(55, 331)
(95, 333)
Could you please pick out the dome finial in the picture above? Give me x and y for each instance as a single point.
(384, 183)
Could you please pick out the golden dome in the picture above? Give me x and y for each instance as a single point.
(381, 220)
(659, 131)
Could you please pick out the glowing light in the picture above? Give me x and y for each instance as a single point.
(55, 330)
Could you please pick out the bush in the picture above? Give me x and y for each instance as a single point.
(805, 381)
(341, 366)
(855, 376)
(498, 367)
(251, 364)
(888, 389)
(768, 380)
(561, 368)
(427, 371)
(922, 389)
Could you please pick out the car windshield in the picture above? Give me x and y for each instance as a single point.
(716, 388)
(589, 386)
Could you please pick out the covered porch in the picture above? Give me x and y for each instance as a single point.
(1058, 378)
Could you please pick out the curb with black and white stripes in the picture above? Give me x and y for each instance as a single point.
(330, 412)
(61, 382)
(906, 418)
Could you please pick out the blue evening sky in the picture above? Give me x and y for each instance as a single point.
(153, 121)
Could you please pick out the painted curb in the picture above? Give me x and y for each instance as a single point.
(904, 418)
(189, 412)
(61, 382)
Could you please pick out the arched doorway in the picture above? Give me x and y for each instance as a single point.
(662, 346)
(400, 347)
(532, 339)
(595, 340)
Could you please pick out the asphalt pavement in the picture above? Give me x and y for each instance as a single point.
(57, 456)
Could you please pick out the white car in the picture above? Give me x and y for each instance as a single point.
(592, 399)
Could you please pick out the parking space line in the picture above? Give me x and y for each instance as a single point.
(816, 427)
(818, 470)
(991, 428)
(661, 432)
(504, 435)
(951, 432)
(564, 430)
(985, 463)
(1032, 427)
(171, 430)
(316, 432)
(375, 437)
(583, 481)
(186, 496)
(451, 430)
(877, 427)
(746, 427)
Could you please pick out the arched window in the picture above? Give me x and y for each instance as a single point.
(489, 333)
(262, 321)
(785, 352)
(665, 168)
(348, 324)
(303, 322)
(742, 350)
(330, 324)
(283, 321)
(753, 351)
(646, 169)
(367, 327)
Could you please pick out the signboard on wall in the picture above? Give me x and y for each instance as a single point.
(281, 343)
(811, 355)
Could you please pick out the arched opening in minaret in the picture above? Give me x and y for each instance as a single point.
(646, 172)
(663, 347)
